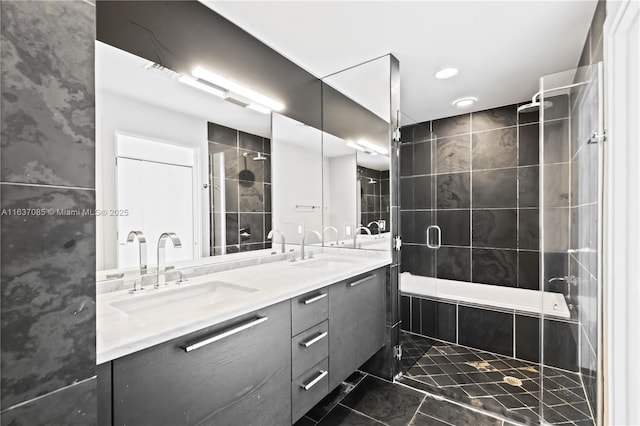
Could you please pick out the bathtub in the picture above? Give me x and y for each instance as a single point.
(518, 299)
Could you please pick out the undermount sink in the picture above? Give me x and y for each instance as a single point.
(185, 298)
(323, 262)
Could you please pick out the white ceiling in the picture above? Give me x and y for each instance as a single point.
(501, 48)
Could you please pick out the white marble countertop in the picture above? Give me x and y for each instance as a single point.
(120, 333)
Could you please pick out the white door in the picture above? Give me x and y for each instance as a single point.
(159, 198)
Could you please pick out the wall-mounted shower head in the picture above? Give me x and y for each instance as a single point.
(372, 180)
(534, 105)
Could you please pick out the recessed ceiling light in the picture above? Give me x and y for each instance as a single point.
(445, 73)
(465, 102)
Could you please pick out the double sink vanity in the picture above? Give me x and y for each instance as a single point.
(259, 344)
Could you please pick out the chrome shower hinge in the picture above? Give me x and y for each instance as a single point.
(397, 243)
(396, 135)
(597, 138)
(397, 352)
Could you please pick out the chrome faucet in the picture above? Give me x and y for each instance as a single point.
(376, 223)
(161, 243)
(304, 237)
(567, 279)
(142, 249)
(270, 236)
(355, 234)
(326, 228)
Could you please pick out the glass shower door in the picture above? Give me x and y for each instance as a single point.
(571, 130)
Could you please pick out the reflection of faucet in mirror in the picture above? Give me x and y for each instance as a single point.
(304, 237)
(355, 235)
(161, 243)
(270, 236)
(142, 248)
(326, 228)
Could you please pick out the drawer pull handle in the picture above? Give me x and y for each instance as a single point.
(365, 279)
(314, 298)
(314, 340)
(224, 334)
(314, 381)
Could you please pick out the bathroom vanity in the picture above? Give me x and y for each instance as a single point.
(256, 345)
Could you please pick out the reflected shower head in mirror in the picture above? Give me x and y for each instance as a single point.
(534, 105)
(259, 157)
(372, 180)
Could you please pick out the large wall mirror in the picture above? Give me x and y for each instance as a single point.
(229, 176)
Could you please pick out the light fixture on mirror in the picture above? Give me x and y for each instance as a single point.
(355, 146)
(465, 102)
(202, 86)
(223, 82)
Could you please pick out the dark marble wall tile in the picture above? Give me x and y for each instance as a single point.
(231, 199)
(419, 260)
(555, 265)
(528, 229)
(422, 220)
(71, 406)
(495, 149)
(422, 132)
(438, 320)
(230, 159)
(407, 226)
(455, 227)
(556, 185)
(452, 154)
(221, 134)
(453, 191)
(421, 158)
(484, 329)
(528, 338)
(406, 159)
(250, 142)
(405, 313)
(48, 292)
(558, 109)
(556, 141)
(422, 192)
(495, 228)
(495, 188)
(528, 145)
(267, 197)
(528, 187)
(452, 126)
(497, 267)
(406, 133)
(416, 317)
(48, 99)
(454, 263)
(251, 197)
(406, 193)
(253, 224)
(494, 118)
(529, 270)
(231, 224)
(560, 344)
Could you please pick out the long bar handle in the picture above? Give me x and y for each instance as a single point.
(438, 233)
(224, 334)
(315, 339)
(314, 299)
(319, 377)
(360, 281)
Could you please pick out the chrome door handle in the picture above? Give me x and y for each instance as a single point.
(314, 381)
(439, 235)
(224, 334)
(314, 299)
(360, 281)
(315, 339)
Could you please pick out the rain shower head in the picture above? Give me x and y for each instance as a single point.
(534, 105)
(259, 157)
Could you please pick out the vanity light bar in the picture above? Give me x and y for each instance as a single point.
(255, 97)
(355, 146)
(373, 147)
(205, 87)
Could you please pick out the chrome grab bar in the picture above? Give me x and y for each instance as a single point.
(314, 299)
(439, 239)
(319, 377)
(360, 281)
(224, 334)
(315, 339)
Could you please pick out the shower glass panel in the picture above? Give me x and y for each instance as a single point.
(571, 125)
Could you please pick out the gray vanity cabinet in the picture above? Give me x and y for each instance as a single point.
(242, 378)
(356, 323)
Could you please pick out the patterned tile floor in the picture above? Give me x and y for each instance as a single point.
(477, 378)
(365, 400)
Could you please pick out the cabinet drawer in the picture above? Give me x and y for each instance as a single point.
(308, 389)
(309, 348)
(308, 310)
